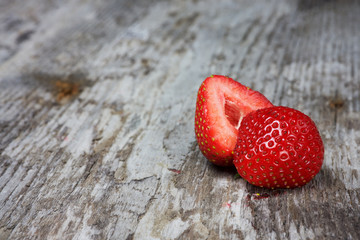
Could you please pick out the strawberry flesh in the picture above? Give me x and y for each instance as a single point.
(221, 105)
(278, 147)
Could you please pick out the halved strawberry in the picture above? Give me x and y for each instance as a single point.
(221, 105)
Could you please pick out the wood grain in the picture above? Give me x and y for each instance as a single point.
(97, 111)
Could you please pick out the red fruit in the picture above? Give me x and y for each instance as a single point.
(221, 105)
(278, 147)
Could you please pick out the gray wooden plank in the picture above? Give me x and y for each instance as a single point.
(96, 117)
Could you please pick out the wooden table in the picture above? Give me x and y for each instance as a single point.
(97, 106)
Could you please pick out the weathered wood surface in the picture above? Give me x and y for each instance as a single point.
(97, 106)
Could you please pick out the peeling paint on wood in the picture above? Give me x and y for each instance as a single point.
(97, 107)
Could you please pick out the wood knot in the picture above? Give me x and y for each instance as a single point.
(336, 103)
(66, 90)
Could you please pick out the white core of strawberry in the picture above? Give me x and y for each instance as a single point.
(233, 113)
(239, 123)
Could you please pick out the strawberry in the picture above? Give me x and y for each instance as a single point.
(221, 105)
(278, 147)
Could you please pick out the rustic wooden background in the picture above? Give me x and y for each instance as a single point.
(97, 117)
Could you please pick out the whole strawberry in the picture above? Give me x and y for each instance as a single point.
(221, 105)
(278, 147)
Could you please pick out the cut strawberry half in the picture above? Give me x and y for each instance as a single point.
(221, 105)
